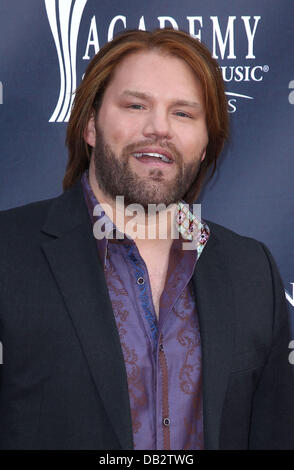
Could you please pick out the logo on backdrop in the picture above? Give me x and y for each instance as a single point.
(65, 17)
(291, 94)
(288, 296)
(1, 93)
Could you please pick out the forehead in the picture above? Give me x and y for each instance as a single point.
(157, 74)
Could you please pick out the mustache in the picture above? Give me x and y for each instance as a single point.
(131, 148)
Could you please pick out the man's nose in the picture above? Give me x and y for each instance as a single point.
(157, 124)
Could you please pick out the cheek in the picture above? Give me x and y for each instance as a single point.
(119, 131)
(192, 148)
(198, 143)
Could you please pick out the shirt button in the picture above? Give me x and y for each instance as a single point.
(161, 347)
(166, 421)
(140, 281)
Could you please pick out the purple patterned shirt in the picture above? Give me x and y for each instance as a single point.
(162, 357)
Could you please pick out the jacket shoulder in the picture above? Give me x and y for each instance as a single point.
(26, 217)
(231, 239)
(245, 254)
(53, 216)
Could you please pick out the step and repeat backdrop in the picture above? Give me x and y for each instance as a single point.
(46, 45)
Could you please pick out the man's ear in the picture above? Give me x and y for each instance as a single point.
(90, 132)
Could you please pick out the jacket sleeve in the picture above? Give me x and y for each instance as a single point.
(272, 419)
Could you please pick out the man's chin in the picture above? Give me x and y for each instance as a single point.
(147, 199)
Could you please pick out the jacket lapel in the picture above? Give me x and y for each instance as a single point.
(215, 306)
(71, 252)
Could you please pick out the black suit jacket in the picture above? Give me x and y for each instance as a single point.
(63, 379)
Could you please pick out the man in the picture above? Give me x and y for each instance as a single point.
(113, 340)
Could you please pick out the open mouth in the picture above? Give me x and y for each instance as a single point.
(152, 157)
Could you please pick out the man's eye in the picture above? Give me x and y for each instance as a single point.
(136, 106)
(182, 114)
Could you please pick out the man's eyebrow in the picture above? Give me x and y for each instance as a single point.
(146, 96)
(191, 104)
(137, 94)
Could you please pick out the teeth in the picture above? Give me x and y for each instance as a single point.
(158, 155)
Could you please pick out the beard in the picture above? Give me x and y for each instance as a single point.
(115, 177)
